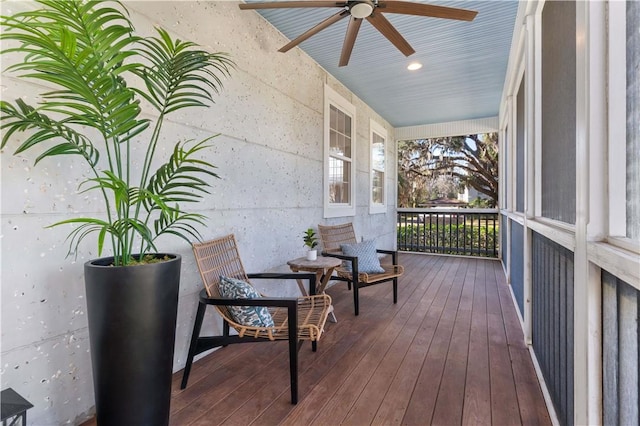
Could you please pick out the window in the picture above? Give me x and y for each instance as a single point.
(624, 130)
(339, 125)
(378, 138)
(558, 162)
(520, 148)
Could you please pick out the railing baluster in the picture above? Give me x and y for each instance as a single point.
(425, 230)
(457, 234)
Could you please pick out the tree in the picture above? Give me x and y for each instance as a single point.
(470, 159)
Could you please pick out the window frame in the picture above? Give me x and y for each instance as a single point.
(377, 129)
(333, 98)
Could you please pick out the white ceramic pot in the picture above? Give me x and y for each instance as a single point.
(312, 254)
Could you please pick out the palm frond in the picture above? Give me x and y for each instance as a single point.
(176, 181)
(26, 117)
(179, 76)
(178, 223)
(81, 49)
(87, 226)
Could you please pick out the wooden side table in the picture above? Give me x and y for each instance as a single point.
(13, 407)
(323, 267)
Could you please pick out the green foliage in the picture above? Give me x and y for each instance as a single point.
(88, 52)
(470, 160)
(480, 203)
(310, 239)
(459, 239)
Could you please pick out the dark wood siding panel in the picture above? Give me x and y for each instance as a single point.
(559, 110)
(517, 264)
(621, 352)
(552, 321)
(504, 248)
(609, 350)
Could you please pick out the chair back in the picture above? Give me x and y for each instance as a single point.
(334, 235)
(215, 258)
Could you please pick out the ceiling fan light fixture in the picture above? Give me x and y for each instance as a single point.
(413, 66)
(361, 9)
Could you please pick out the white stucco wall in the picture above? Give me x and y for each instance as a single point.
(269, 156)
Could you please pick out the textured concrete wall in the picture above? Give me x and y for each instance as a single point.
(269, 156)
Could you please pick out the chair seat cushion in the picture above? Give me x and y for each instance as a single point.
(252, 316)
(365, 251)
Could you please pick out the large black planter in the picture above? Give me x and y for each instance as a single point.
(132, 322)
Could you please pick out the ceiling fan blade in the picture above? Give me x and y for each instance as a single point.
(287, 4)
(349, 40)
(321, 26)
(420, 9)
(383, 25)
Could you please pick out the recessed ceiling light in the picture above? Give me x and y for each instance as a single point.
(414, 66)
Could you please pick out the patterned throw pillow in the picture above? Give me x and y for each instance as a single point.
(365, 251)
(255, 316)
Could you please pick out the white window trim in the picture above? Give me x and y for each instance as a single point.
(375, 128)
(331, 97)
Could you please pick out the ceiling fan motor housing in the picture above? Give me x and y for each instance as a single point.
(361, 9)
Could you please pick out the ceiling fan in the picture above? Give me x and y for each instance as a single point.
(358, 10)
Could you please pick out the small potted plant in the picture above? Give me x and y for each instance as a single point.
(311, 241)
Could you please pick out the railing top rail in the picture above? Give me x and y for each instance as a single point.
(447, 210)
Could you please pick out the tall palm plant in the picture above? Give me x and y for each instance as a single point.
(87, 53)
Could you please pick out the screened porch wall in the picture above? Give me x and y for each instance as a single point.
(570, 204)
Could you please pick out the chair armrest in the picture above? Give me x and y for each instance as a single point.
(263, 301)
(393, 253)
(386, 251)
(338, 255)
(282, 275)
(352, 259)
(288, 276)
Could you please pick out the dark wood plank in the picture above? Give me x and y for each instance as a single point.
(366, 328)
(199, 397)
(378, 388)
(449, 406)
(366, 363)
(504, 402)
(477, 398)
(397, 399)
(530, 399)
(320, 377)
(421, 408)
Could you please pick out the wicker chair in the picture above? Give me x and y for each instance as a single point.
(332, 237)
(295, 319)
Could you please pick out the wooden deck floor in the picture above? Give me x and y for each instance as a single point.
(450, 352)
